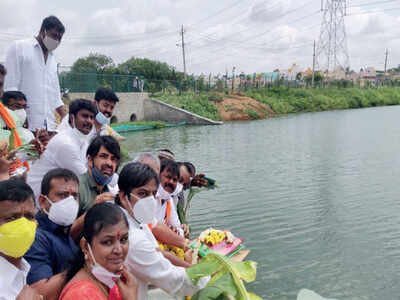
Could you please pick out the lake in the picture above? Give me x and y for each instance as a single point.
(315, 197)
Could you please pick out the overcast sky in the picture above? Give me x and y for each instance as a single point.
(252, 35)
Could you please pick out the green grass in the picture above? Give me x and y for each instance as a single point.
(193, 102)
(252, 114)
(284, 101)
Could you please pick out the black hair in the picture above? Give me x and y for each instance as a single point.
(65, 174)
(15, 190)
(3, 70)
(52, 22)
(170, 166)
(17, 95)
(103, 93)
(79, 104)
(110, 143)
(135, 175)
(190, 167)
(98, 217)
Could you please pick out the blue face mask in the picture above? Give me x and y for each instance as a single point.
(99, 178)
(102, 119)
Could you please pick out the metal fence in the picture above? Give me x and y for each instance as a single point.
(90, 82)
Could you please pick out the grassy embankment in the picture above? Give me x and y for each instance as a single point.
(285, 101)
(193, 102)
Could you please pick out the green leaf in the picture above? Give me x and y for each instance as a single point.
(208, 266)
(207, 293)
(253, 296)
(225, 283)
(246, 269)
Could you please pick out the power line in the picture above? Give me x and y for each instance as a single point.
(373, 3)
(374, 11)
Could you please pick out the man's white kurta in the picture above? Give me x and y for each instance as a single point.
(12, 279)
(38, 80)
(65, 150)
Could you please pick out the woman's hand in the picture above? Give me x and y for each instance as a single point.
(127, 285)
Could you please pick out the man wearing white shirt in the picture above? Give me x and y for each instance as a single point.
(3, 73)
(32, 69)
(68, 148)
(17, 228)
(104, 101)
(166, 212)
(161, 231)
(138, 184)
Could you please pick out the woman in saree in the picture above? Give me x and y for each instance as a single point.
(98, 272)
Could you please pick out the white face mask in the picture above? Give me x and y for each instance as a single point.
(178, 189)
(21, 114)
(144, 210)
(102, 274)
(63, 212)
(49, 43)
(162, 194)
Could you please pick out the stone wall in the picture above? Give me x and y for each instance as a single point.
(139, 107)
(130, 105)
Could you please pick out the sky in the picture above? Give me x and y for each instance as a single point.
(248, 35)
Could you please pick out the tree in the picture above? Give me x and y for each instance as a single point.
(149, 69)
(94, 63)
(318, 77)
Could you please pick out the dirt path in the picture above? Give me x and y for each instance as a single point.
(238, 108)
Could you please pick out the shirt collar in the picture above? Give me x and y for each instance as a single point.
(46, 224)
(35, 43)
(12, 271)
(92, 184)
(90, 181)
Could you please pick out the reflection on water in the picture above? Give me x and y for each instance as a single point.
(315, 197)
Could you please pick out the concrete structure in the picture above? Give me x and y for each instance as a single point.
(129, 108)
(139, 107)
(155, 110)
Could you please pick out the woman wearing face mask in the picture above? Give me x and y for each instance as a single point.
(98, 272)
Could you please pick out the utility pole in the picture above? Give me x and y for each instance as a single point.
(183, 52)
(313, 68)
(386, 60)
(233, 78)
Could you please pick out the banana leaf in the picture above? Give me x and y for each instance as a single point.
(227, 278)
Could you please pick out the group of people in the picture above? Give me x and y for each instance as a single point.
(73, 226)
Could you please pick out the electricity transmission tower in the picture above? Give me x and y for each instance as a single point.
(332, 45)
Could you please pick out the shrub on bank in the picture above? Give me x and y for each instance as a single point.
(284, 100)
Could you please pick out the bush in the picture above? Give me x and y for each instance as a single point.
(252, 114)
(283, 100)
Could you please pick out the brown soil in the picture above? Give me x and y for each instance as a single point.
(239, 108)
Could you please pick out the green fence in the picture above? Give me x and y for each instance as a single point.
(90, 82)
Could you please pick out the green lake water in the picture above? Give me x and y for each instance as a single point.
(316, 197)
